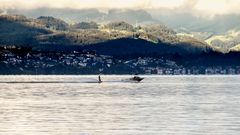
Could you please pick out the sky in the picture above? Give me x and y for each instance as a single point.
(207, 6)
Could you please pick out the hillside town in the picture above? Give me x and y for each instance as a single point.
(19, 61)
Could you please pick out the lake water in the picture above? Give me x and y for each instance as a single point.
(71, 105)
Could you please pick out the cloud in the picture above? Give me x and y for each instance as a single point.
(77, 4)
(218, 6)
(89, 3)
(190, 4)
(204, 6)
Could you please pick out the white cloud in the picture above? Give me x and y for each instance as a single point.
(219, 6)
(206, 6)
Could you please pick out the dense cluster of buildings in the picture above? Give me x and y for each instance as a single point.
(90, 63)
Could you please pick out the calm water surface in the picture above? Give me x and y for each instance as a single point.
(72, 105)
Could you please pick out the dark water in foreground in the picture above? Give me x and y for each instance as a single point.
(71, 105)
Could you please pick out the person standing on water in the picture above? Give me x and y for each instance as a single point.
(99, 79)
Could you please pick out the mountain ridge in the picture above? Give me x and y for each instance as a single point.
(49, 31)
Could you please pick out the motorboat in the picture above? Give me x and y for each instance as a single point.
(136, 79)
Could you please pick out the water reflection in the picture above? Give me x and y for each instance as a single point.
(160, 105)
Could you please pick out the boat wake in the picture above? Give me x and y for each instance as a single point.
(62, 82)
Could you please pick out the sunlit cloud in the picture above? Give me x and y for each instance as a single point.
(219, 6)
(90, 3)
(207, 6)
